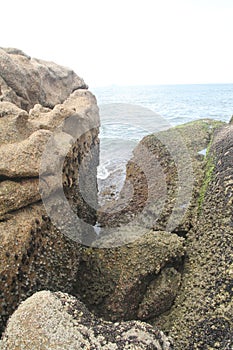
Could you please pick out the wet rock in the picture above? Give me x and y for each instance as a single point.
(58, 321)
(201, 317)
(34, 256)
(116, 282)
(160, 294)
(162, 191)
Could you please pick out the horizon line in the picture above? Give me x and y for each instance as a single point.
(152, 84)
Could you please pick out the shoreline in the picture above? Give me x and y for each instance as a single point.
(156, 269)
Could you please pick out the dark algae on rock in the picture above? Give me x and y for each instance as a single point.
(202, 316)
(129, 282)
(189, 299)
(37, 98)
(165, 258)
(173, 162)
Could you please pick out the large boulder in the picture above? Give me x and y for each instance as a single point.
(163, 180)
(26, 81)
(48, 137)
(202, 316)
(58, 321)
(135, 280)
(141, 277)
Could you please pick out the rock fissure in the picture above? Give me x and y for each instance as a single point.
(174, 274)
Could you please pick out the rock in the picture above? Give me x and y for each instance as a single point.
(16, 158)
(59, 321)
(23, 158)
(17, 194)
(13, 123)
(81, 104)
(201, 317)
(34, 256)
(160, 294)
(48, 147)
(162, 192)
(113, 282)
(26, 81)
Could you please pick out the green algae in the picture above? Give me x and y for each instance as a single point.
(208, 177)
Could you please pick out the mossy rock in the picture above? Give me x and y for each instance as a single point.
(166, 174)
(201, 317)
(113, 281)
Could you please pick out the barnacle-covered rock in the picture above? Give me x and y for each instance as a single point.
(58, 321)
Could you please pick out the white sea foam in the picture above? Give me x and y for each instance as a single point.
(176, 104)
(102, 172)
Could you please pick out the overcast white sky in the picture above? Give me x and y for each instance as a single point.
(128, 42)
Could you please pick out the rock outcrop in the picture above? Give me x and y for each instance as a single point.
(165, 187)
(58, 321)
(202, 317)
(164, 252)
(26, 81)
(39, 102)
(141, 278)
(136, 280)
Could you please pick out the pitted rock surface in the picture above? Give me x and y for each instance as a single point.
(129, 282)
(37, 100)
(58, 321)
(201, 317)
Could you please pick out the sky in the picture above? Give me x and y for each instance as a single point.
(126, 42)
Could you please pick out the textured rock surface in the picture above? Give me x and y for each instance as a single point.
(166, 186)
(23, 158)
(26, 81)
(144, 271)
(58, 321)
(125, 282)
(114, 281)
(13, 123)
(34, 256)
(202, 317)
(160, 294)
(17, 194)
(39, 100)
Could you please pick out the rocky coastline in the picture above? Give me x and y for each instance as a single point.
(159, 276)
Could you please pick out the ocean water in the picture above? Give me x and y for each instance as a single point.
(129, 113)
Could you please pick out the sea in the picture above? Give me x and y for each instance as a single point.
(128, 113)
